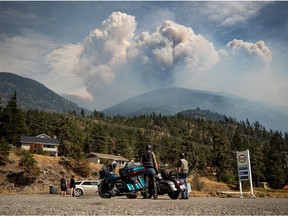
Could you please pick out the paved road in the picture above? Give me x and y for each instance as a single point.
(94, 205)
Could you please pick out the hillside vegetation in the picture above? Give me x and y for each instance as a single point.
(210, 146)
(33, 95)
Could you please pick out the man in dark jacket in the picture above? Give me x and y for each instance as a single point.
(182, 172)
(149, 161)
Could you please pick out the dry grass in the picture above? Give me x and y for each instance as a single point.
(209, 188)
(260, 192)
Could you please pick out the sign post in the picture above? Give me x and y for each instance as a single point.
(244, 171)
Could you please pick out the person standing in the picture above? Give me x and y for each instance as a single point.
(72, 186)
(149, 161)
(182, 173)
(63, 186)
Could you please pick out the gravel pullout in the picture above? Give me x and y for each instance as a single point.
(94, 205)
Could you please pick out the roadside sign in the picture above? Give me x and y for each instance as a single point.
(244, 170)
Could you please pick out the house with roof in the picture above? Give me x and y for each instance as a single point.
(95, 157)
(49, 145)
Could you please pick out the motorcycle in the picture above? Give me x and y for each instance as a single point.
(130, 182)
(167, 183)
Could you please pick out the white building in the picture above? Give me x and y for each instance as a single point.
(49, 144)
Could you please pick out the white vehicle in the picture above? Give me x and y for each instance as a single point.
(86, 187)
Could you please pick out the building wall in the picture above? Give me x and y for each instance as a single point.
(52, 150)
(93, 160)
(26, 146)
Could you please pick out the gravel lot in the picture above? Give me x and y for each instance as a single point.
(93, 205)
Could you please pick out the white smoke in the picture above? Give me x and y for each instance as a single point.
(170, 46)
(113, 51)
(114, 64)
(231, 13)
(104, 50)
(258, 49)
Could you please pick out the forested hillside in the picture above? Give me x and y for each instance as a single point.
(33, 95)
(210, 146)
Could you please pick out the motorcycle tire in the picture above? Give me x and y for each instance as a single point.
(174, 194)
(104, 196)
(144, 195)
(131, 196)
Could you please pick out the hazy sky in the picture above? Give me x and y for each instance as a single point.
(105, 52)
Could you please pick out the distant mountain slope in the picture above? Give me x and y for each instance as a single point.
(171, 101)
(203, 114)
(33, 95)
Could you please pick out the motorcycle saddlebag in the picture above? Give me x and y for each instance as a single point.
(167, 186)
(124, 186)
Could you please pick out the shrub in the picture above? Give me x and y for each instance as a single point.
(21, 178)
(83, 169)
(29, 164)
(4, 151)
(197, 184)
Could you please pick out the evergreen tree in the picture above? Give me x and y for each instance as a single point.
(275, 160)
(222, 157)
(12, 122)
(98, 140)
(257, 160)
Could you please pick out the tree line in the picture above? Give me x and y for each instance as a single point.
(209, 146)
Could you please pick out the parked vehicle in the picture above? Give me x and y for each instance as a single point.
(86, 187)
(129, 183)
(167, 183)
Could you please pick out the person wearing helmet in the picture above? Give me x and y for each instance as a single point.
(111, 167)
(182, 173)
(149, 161)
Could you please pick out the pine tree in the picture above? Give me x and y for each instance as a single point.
(275, 160)
(222, 157)
(12, 122)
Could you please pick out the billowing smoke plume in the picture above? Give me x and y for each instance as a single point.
(170, 47)
(104, 50)
(113, 51)
(259, 49)
(114, 64)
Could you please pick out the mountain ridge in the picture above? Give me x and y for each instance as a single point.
(32, 94)
(170, 101)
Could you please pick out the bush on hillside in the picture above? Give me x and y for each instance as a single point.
(30, 173)
(83, 169)
(4, 151)
(80, 168)
(21, 178)
(197, 184)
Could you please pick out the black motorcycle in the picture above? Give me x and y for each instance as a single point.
(129, 183)
(167, 183)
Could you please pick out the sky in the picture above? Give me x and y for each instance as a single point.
(100, 53)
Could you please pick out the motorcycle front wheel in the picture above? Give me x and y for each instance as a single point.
(104, 195)
(131, 196)
(174, 194)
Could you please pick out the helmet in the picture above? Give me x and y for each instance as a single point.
(148, 147)
(181, 155)
(113, 165)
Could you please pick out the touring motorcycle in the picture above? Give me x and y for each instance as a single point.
(130, 183)
(168, 183)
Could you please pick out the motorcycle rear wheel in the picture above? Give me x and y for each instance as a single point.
(174, 194)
